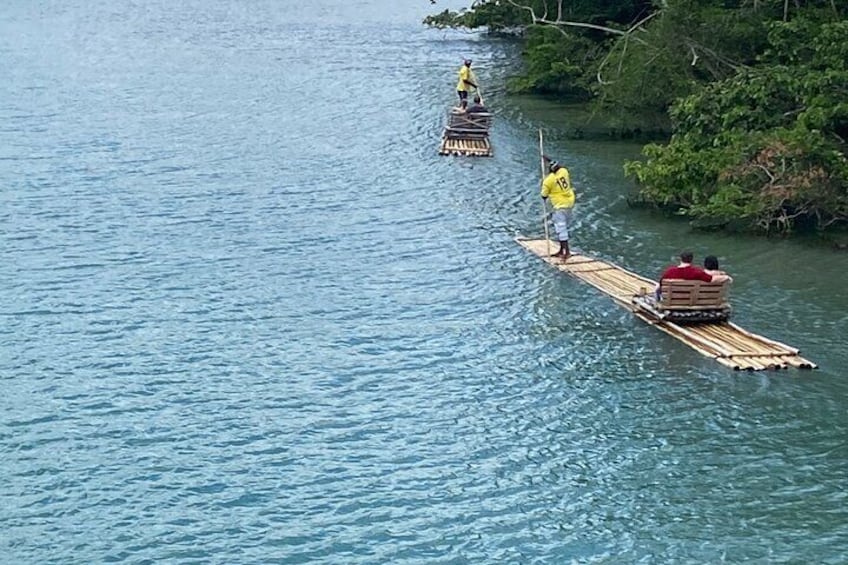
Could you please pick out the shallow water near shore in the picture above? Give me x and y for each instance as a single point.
(251, 316)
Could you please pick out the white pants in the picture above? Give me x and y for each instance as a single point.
(562, 218)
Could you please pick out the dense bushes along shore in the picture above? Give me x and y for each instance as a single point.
(756, 92)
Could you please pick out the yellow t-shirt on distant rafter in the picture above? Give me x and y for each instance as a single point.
(558, 186)
(464, 75)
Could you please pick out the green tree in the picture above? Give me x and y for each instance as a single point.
(767, 145)
(755, 90)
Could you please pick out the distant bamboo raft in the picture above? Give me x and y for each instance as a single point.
(467, 134)
(725, 342)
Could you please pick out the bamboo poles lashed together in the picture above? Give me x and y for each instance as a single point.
(725, 342)
(544, 202)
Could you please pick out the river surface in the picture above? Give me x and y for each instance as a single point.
(249, 315)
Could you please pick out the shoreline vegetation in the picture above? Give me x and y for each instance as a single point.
(742, 104)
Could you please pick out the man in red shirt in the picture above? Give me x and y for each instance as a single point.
(687, 271)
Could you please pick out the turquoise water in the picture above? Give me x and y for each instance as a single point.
(251, 316)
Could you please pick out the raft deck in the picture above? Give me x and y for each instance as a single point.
(466, 147)
(725, 342)
(467, 134)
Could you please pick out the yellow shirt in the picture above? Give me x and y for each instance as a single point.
(558, 186)
(464, 75)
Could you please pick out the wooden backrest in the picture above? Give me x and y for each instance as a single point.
(469, 121)
(679, 294)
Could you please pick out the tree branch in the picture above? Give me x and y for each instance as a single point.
(559, 22)
(768, 173)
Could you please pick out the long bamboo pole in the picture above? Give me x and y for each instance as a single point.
(705, 342)
(544, 202)
(739, 342)
(765, 339)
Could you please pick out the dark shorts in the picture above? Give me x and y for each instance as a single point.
(463, 94)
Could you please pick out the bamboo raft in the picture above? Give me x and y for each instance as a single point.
(467, 134)
(725, 342)
(466, 147)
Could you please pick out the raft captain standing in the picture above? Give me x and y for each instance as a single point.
(557, 187)
(466, 81)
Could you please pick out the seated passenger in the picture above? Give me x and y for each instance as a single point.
(711, 267)
(477, 107)
(687, 271)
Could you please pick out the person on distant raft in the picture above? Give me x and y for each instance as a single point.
(477, 107)
(465, 81)
(557, 187)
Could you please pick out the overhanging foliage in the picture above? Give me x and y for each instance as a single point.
(756, 91)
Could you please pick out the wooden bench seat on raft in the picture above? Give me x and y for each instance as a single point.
(468, 125)
(684, 301)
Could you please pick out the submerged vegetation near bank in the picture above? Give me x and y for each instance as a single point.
(756, 92)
